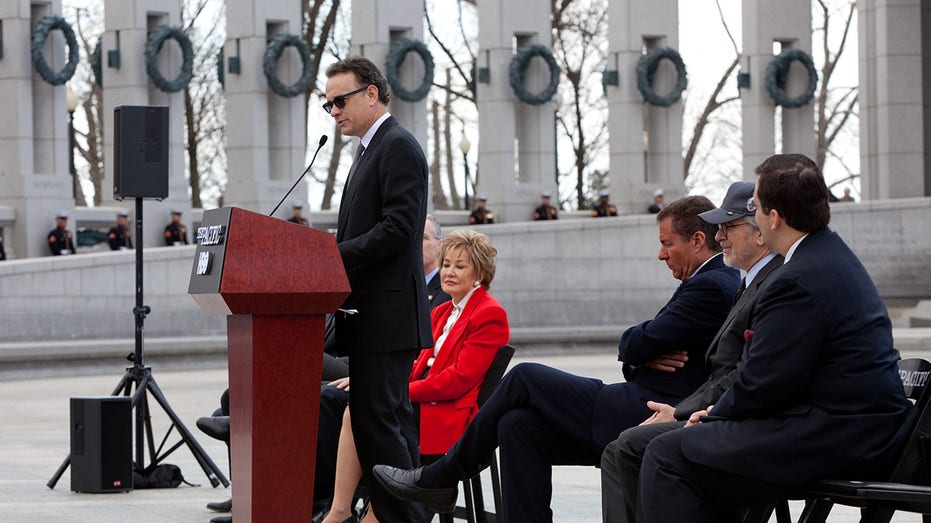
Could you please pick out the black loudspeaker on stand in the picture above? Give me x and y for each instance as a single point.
(141, 151)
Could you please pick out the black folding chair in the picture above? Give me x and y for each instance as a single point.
(909, 488)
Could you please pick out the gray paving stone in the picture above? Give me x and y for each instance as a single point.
(34, 440)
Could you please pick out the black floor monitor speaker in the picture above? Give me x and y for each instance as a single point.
(101, 444)
(140, 152)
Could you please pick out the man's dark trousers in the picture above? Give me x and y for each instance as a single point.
(695, 493)
(539, 417)
(378, 394)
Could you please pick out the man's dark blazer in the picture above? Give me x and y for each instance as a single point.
(723, 355)
(688, 321)
(819, 394)
(380, 239)
(435, 294)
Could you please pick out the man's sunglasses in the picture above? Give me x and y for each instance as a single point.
(340, 101)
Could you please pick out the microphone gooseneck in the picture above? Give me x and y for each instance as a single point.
(322, 141)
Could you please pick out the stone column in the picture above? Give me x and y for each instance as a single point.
(266, 132)
(894, 124)
(513, 133)
(376, 24)
(646, 140)
(34, 178)
(125, 82)
(768, 29)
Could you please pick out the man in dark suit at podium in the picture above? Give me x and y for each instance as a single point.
(379, 233)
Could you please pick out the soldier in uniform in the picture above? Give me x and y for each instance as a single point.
(481, 214)
(60, 241)
(545, 211)
(657, 202)
(175, 232)
(2, 252)
(296, 217)
(119, 237)
(603, 208)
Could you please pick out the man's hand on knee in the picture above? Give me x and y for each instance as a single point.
(662, 413)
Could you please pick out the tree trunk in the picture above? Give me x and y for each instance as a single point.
(448, 140)
(329, 186)
(439, 197)
(702, 122)
(193, 144)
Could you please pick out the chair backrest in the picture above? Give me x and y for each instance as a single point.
(913, 464)
(494, 373)
(914, 373)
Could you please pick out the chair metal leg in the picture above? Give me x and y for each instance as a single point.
(782, 512)
(468, 494)
(816, 511)
(758, 514)
(495, 484)
(876, 515)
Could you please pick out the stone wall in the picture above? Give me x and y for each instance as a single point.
(570, 276)
(92, 296)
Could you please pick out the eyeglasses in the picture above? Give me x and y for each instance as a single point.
(340, 101)
(751, 206)
(725, 228)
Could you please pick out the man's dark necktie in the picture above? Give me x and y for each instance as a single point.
(355, 162)
(741, 289)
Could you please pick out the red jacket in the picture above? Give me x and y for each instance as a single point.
(447, 396)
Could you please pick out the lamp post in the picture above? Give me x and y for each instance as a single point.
(464, 146)
(72, 100)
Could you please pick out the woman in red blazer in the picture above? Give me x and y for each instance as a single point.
(445, 379)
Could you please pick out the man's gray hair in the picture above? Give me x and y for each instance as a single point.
(436, 226)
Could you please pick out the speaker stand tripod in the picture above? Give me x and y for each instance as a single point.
(139, 376)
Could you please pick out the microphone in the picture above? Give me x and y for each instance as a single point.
(301, 177)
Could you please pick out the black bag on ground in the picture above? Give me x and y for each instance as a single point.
(165, 475)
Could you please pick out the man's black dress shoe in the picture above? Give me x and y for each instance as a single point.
(403, 484)
(222, 519)
(217, 427)
(221, 506)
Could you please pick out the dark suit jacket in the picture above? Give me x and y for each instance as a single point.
(447, 395)
(688, 321)
(724, 353)
(379, 235)
(435, 294)
(819, 393)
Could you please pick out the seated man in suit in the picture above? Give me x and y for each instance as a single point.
(818, 394)
(744, 249)
(540, 416)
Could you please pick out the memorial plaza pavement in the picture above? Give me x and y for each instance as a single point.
(34, 440)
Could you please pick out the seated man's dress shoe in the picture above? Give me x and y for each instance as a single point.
(403, 484)
(221, 506)
(217, 427)
(222, 519)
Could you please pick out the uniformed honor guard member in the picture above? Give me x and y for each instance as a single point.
(119, 237)
(296, 217)
(175, 232)
(603, 208)
(545, 211)
(481, 215)
(60, 241)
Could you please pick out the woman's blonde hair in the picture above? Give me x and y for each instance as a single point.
(479, 249)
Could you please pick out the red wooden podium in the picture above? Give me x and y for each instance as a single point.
(275, 280)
